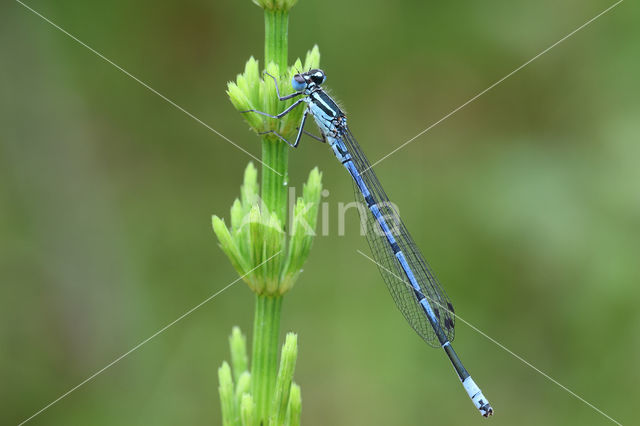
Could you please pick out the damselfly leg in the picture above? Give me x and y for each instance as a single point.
(282, 114)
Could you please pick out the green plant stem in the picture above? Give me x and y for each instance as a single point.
(275, 153)
(266, 333)
(276, 37)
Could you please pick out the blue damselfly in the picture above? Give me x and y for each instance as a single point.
(413, 286)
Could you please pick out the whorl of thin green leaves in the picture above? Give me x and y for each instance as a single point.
(253, 90)
(256, 235)
(283, 5)
(238, 406)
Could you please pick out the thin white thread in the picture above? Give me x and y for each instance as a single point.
(493, 85)
(145, 85)
(88, 379)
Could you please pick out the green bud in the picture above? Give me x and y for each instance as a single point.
(294, 409)
(312, 60)
(239, 358)
(243, 387)
(284, 379)
(256, 234)
(305, 215)
(276, 4)
(229, 246)
(249, 189)
(225, 389)
(255, 91)
(248, 410)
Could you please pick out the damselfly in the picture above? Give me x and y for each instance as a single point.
(413, 286)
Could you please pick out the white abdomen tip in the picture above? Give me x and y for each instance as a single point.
(479, 400)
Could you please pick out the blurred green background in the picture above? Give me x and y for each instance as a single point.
(526, 203)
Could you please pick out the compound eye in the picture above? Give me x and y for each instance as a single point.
(298, 82)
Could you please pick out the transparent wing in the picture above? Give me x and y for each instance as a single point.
(390, 268)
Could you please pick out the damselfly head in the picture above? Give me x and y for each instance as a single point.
(309, 79)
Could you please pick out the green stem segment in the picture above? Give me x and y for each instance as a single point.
(264, 366)
(275, 153)
(276, 37)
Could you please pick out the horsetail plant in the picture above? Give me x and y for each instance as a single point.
(255, 392)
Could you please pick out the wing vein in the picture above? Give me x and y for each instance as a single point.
(396, 280)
